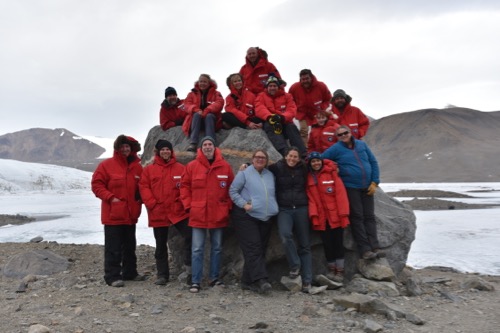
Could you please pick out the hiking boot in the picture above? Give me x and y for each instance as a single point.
(380, 253)
(294, 273)
(306, 288)
(138, 277)
(369, 255)
(249, 286)
(264, 286)
(339, 275)
(117, 284)
(161, 281)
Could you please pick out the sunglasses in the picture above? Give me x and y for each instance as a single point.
(342, 134)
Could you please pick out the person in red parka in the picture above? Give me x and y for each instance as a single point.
(115, 181)
(277, 109)
(328, 210)
(203, 106)
(349, 115)
(256, 70)
(160, 191)
(311, 96)
(205, 194)
(172, 111)
(323, 133)
(240, 105)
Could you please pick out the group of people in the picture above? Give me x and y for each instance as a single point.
(324, 187)
(258, 100)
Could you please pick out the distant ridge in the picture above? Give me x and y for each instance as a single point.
(51, 146)
(438, 145)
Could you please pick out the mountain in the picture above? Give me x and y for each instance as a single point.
(437, 145)
(52, 146)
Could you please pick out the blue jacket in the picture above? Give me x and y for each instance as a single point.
(358, 167)
(258, 189)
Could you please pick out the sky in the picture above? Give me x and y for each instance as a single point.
(100, 68)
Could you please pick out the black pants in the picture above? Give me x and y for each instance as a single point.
(161, 252)
(290, 133)
(120, 261)
(333, 243)
(253, 236)
(362, 219)
(232, 121)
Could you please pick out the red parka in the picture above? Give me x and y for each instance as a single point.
(354, 118)
(170, 114)
(310, 101)
(281, 104)
(160, 191)
(205, 191)
(241, 105)
(192, 103)
(255, 77)
(117, 178)
(327, 198)
(322, 137)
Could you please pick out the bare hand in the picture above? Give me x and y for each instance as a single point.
(115, 200)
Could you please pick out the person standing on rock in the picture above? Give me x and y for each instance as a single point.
(205, 195)
(172, 112)
(253, 194)
(311, 96)
(349, 115)
(115, 182)
(240, 105)
(256, 70)
(359, 171)
(293, 218)
(328, 211)
(160, 191)
(276, 109)
(203, 106)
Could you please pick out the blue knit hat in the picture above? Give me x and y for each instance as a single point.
(312, 156)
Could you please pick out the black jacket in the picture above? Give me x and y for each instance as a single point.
(290, 184)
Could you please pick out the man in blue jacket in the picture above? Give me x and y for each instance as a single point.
(359, 171)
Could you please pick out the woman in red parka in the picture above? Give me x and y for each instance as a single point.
(160, 192)
(203, 106)
(240, 105)
(328, 210)
(115, 182)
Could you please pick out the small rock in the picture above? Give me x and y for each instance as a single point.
(37, 328)
(37, 239)
(317, 290)
(372, 327)
(259, 325)
(294, 285)
(412, 286)
(188, 329)
(414, 319)
(477, 283)
(324, 281)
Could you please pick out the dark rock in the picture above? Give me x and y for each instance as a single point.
(36, 239)
(37, 262)
(476, 282)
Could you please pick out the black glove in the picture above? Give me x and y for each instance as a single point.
(276, 122)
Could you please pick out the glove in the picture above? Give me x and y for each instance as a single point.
(275, 122)
(371, 189)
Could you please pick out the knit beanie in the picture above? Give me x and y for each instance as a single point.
(162, 144)
(170, 91)
(209, 138)
(313, 155)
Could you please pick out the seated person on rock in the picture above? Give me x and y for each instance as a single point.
(203, 106)
(322, 133)
(277, 109)
(172, 111)
(240, 105)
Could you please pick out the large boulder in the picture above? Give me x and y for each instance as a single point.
(395, 221)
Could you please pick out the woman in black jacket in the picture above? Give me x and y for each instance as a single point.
(293, 218)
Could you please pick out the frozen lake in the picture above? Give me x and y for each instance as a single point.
(464, 239)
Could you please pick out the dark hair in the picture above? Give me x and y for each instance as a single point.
(292, 148)
(305, 72)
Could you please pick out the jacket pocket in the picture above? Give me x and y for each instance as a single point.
(118, 210)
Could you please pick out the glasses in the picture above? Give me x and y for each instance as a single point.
(342, 134)
(260, 157)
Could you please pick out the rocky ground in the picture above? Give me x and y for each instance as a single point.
(77, 300)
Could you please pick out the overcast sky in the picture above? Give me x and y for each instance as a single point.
(101, 67)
